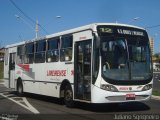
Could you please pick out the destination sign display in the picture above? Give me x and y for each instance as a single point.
(106, 30)
(120, 30)
(130, 32)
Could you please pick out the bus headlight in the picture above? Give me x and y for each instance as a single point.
(109, 88)
(147, 87)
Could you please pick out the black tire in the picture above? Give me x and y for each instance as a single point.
(68, 97)
(20, 89)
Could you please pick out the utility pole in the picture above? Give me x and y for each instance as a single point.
(37, 29)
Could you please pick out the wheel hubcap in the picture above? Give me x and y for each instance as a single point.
(68, 95)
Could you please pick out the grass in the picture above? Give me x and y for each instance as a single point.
(1, 70)
(156, 93)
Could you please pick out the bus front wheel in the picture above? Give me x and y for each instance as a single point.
(68, 96)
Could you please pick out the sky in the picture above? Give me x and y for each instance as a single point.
(74, 13)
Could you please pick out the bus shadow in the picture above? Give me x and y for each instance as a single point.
(99, 108)
(114, 107)
(44, 98)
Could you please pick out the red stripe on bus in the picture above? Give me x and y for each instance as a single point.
(24, 66)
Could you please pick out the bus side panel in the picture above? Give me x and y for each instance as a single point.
(46, 78)
(55, 73)
(49, 89)
(30, 87)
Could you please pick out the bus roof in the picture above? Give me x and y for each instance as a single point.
(78, 29)
(87, 27)
(15, 44)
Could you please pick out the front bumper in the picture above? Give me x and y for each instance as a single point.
(102, 96)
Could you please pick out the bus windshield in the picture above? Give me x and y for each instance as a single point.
(124, 59)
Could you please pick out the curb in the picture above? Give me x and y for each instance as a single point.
(1, 83)
(155, 97)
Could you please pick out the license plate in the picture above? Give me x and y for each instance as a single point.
(130, 96)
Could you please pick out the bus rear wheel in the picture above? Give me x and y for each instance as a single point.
(68, 97)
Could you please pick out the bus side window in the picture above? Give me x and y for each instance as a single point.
(29, 53)
(40, 51)
(20, 54)
(12, 61)
(66, 48)
(53, 50)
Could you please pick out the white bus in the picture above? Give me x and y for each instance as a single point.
(97, 63)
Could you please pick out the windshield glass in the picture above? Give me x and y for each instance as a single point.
(114, 58)
(125, 58)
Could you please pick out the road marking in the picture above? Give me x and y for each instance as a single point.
(28, 107)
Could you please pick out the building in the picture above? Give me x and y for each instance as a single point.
(151, 41)
(1, 54)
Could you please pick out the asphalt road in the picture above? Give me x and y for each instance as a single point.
(36, 107)
(50, 108)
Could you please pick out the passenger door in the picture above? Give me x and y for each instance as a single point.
(82, 67)
(12, 70)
